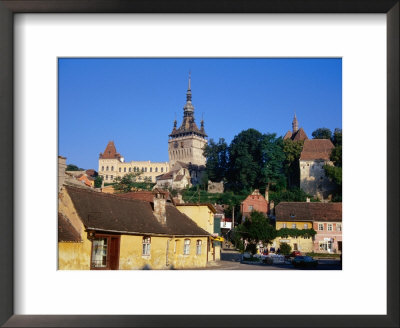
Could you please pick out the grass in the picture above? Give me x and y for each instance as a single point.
(323, 255)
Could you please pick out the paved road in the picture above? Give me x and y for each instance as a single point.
(230, 260)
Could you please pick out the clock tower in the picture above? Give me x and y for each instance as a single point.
(186, 143)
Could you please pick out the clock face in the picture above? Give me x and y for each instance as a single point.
(175, 144)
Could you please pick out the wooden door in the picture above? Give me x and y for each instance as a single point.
(114, 253)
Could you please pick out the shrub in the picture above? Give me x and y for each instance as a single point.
(286, 249)
(252, 248)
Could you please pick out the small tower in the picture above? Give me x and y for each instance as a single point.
(295, 124)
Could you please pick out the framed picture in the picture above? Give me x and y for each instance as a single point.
(15, 273)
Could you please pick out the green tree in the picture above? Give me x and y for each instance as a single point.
(73, 167)
(322, 133)
(337, 137)
(336, 156)
(285, 248)
(126, 183)
(98, 182)
(256, 228)
(292, 150)
(254, 160)
(217, 159)
(294, 194)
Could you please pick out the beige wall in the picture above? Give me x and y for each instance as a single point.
(189, 149)
(313, 180)
(152, 169)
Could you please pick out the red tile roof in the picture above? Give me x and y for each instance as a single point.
(147, 196)
(316, 149)
(110, 152)
(299, 135)
(301, 211)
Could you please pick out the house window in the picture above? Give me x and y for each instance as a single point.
(293, 225)
(156, 169)
(106, 177)
(111, 177)
(320, 226)
(198, 247)
(146, 246)
(162, 169)
(330, 226)
(119, 169)
(250, 208)
(99, 253)
(105, 253)
(145, 169)
(130, 169)
(124, 169)
(102, 168)
(142, 169)
(112, 168)
(151, 169)
(186, 247)
(284, 225)
(338, 227)
(107, 168)
(305, 226)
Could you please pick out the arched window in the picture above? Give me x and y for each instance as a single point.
(156, 169)
(198, 247)
(102, 168)
(124, 169)
(146, 243)
(162, 169)
(107, 168)
(186, 247)
(119, 169)
(129, 169)
(151, 169)
(112, 168)
(106, 177)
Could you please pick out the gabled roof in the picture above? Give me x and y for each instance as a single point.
(147, 196)
(110, 152)
(301, 211)
(66, 231)
(316, 149)
(111, 213)
(288, 135)
(299, 135)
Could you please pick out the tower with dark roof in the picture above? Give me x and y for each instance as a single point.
(186, 143)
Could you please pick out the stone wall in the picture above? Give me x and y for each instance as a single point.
(313, 180)
(215, 187)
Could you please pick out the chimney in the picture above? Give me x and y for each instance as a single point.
(308, 199)
(159, 208)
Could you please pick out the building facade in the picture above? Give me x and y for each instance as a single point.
(203, 216)
(254, 202)
(324, 218)
(112, 165)
(187, 142)
(315, 154)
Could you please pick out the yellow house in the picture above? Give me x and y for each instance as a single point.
(293, 215)
(203, 215)
(99, 231)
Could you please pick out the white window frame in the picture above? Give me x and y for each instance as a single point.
(338, 227)
(319, 227)
(198, 247)
(146, 246)
(329, 227)
(186, 247)
(251, 208)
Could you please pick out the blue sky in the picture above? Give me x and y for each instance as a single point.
(135, 101)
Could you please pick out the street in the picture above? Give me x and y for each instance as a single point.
(230, 260)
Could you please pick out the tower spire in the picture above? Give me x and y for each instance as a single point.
(295, 124)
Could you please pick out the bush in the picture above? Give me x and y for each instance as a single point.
(286, 249)
(252, 248)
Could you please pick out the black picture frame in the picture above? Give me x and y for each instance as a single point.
(7, 10)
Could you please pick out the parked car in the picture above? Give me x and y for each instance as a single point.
(295, 253)
(304, 262)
